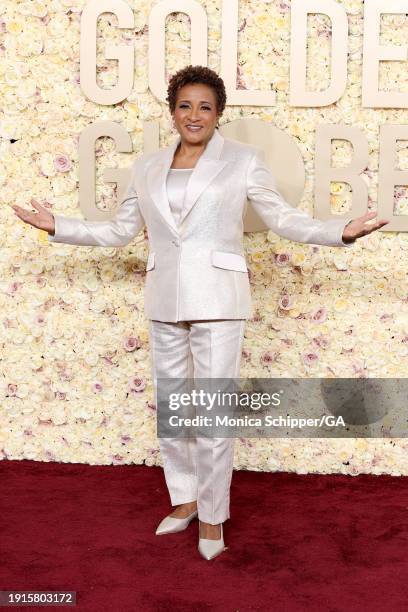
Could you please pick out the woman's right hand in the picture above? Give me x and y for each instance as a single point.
(43, 219)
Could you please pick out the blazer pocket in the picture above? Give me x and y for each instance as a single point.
(150, 262)
(228, 261)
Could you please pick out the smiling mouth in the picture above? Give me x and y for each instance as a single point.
(194, 128)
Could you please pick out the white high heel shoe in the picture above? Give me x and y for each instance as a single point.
(211, 548)
(171, 524)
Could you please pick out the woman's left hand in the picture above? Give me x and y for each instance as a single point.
(359, 227)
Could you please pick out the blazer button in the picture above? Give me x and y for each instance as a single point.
(176, 243)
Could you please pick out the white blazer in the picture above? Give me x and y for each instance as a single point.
(198, 270)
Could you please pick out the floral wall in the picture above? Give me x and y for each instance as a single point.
(75, 380)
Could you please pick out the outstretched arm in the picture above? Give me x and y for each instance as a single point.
(119, 231)
(294, 224)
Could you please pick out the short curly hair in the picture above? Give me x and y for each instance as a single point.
(196, 74)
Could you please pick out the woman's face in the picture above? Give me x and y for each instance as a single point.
(195, 115)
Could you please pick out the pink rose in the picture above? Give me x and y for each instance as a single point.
(310, 358)
(286, 302)
(131, 344)
(319, 315)
(41, 281)
(11, 389)
(116, 459)
(268, 358)
(137, 385)
(359, 369)
(62, 163)
(13, 287)
(282, 259)
(321, 341)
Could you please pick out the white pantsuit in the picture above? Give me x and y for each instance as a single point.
(198, 469)
(197, 292)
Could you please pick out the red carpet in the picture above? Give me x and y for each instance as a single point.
(296, 542)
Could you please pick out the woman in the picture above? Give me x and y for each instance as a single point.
(191, 196)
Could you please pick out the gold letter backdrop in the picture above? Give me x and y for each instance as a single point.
(75, 380)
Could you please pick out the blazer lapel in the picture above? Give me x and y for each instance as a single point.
(156, 177)
(206, 169)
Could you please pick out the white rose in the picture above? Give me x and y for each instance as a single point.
(58, 25)
(30, 42)
(26, 88)
(46, 163)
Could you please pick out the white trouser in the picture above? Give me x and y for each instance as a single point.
(198, 468)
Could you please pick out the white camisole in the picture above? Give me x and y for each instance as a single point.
(176, 183)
